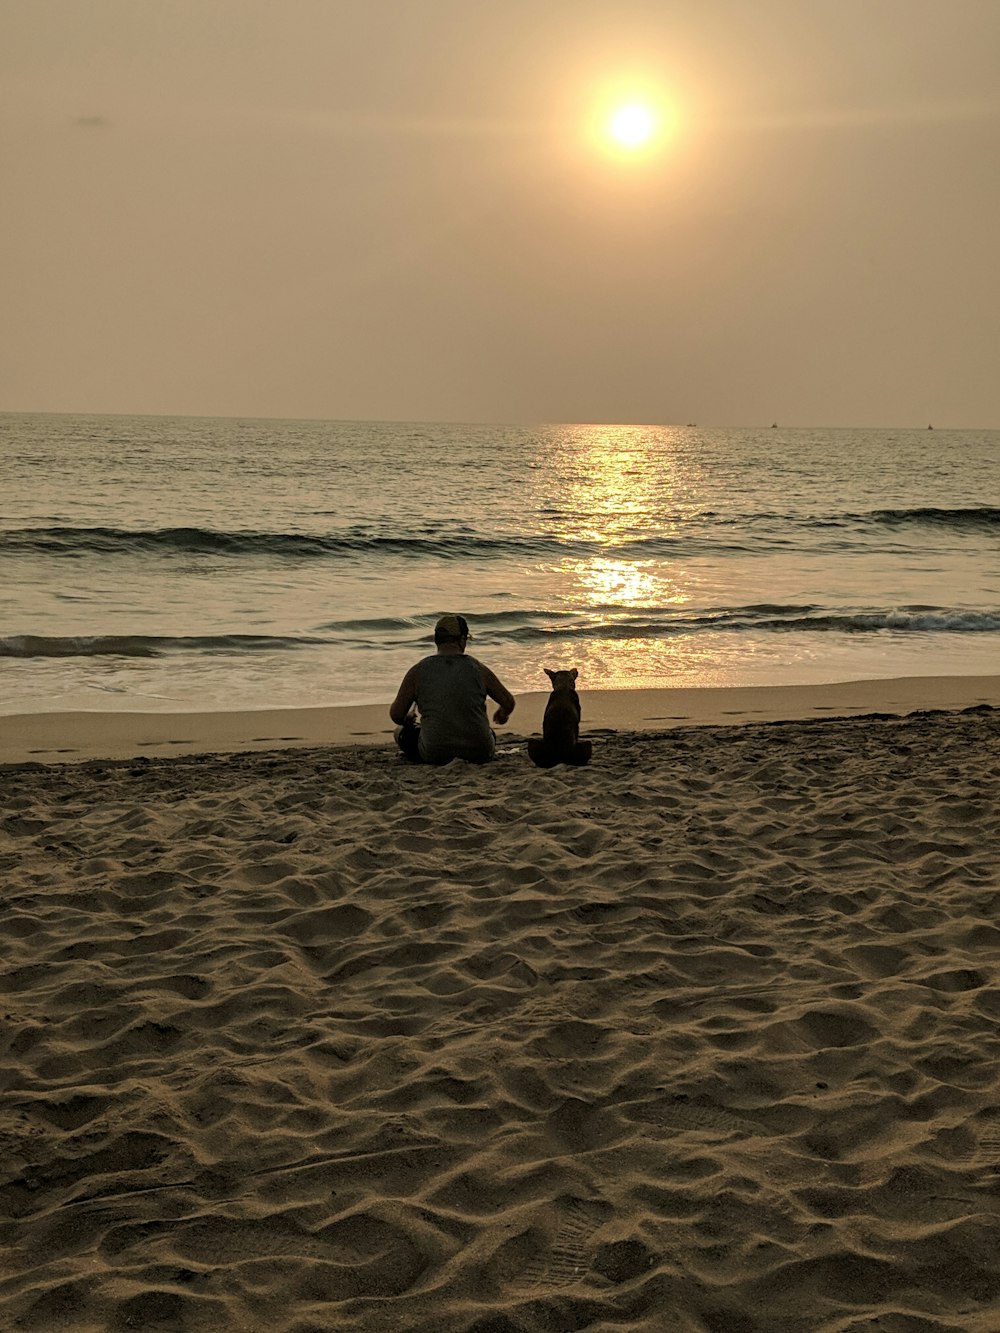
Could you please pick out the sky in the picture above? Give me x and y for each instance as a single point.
(410, 210)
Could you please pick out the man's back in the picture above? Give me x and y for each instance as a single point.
(451, 698)
(449, 691)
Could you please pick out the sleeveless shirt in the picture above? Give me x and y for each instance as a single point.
(451, 699)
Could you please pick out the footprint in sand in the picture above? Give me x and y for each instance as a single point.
(570, 1254)
(684, 1115)
(989, 1147)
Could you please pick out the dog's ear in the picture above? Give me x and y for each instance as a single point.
(551, 674)
(574, 673)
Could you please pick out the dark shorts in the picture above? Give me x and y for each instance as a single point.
(408, 740)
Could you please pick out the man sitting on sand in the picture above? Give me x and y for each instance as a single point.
(449, 691)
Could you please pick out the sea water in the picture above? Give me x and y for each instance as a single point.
(165, 563)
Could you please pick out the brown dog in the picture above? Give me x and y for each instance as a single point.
(560, 741)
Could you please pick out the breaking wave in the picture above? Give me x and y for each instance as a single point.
(144, 645)
(705, 531)
(522, 626)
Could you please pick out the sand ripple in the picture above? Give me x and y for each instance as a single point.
(701, 1038)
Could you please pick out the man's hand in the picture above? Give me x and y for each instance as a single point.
(499, 694)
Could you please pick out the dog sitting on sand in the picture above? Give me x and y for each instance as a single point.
(560, 741)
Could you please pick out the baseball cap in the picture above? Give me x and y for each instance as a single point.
(451, 627)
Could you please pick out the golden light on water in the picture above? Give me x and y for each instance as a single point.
(610, 487)
(612, 499)
(625, 583)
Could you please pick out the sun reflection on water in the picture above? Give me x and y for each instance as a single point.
(611, 487)
(626, 583)
(638, 664)
(619, 484)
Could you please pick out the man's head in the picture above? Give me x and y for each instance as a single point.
(451, 629)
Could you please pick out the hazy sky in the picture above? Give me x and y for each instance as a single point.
(400, 209)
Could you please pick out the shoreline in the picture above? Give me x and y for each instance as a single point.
(81, 736)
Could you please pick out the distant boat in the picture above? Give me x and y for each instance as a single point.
(930, 427)
(774, 425)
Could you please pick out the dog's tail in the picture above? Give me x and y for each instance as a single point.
(540, 754)
(544, 756)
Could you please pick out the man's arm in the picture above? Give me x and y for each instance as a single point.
(405, 698)
(499, 693)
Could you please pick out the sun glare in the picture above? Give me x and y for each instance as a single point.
(632, 126)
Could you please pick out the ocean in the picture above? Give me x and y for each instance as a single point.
(171, 563)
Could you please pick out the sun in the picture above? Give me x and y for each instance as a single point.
(632, 125)
(633, 121)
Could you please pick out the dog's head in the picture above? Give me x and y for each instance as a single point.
(562, 680)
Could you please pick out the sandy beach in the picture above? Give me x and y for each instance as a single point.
(70, 737)
(703, 1038)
